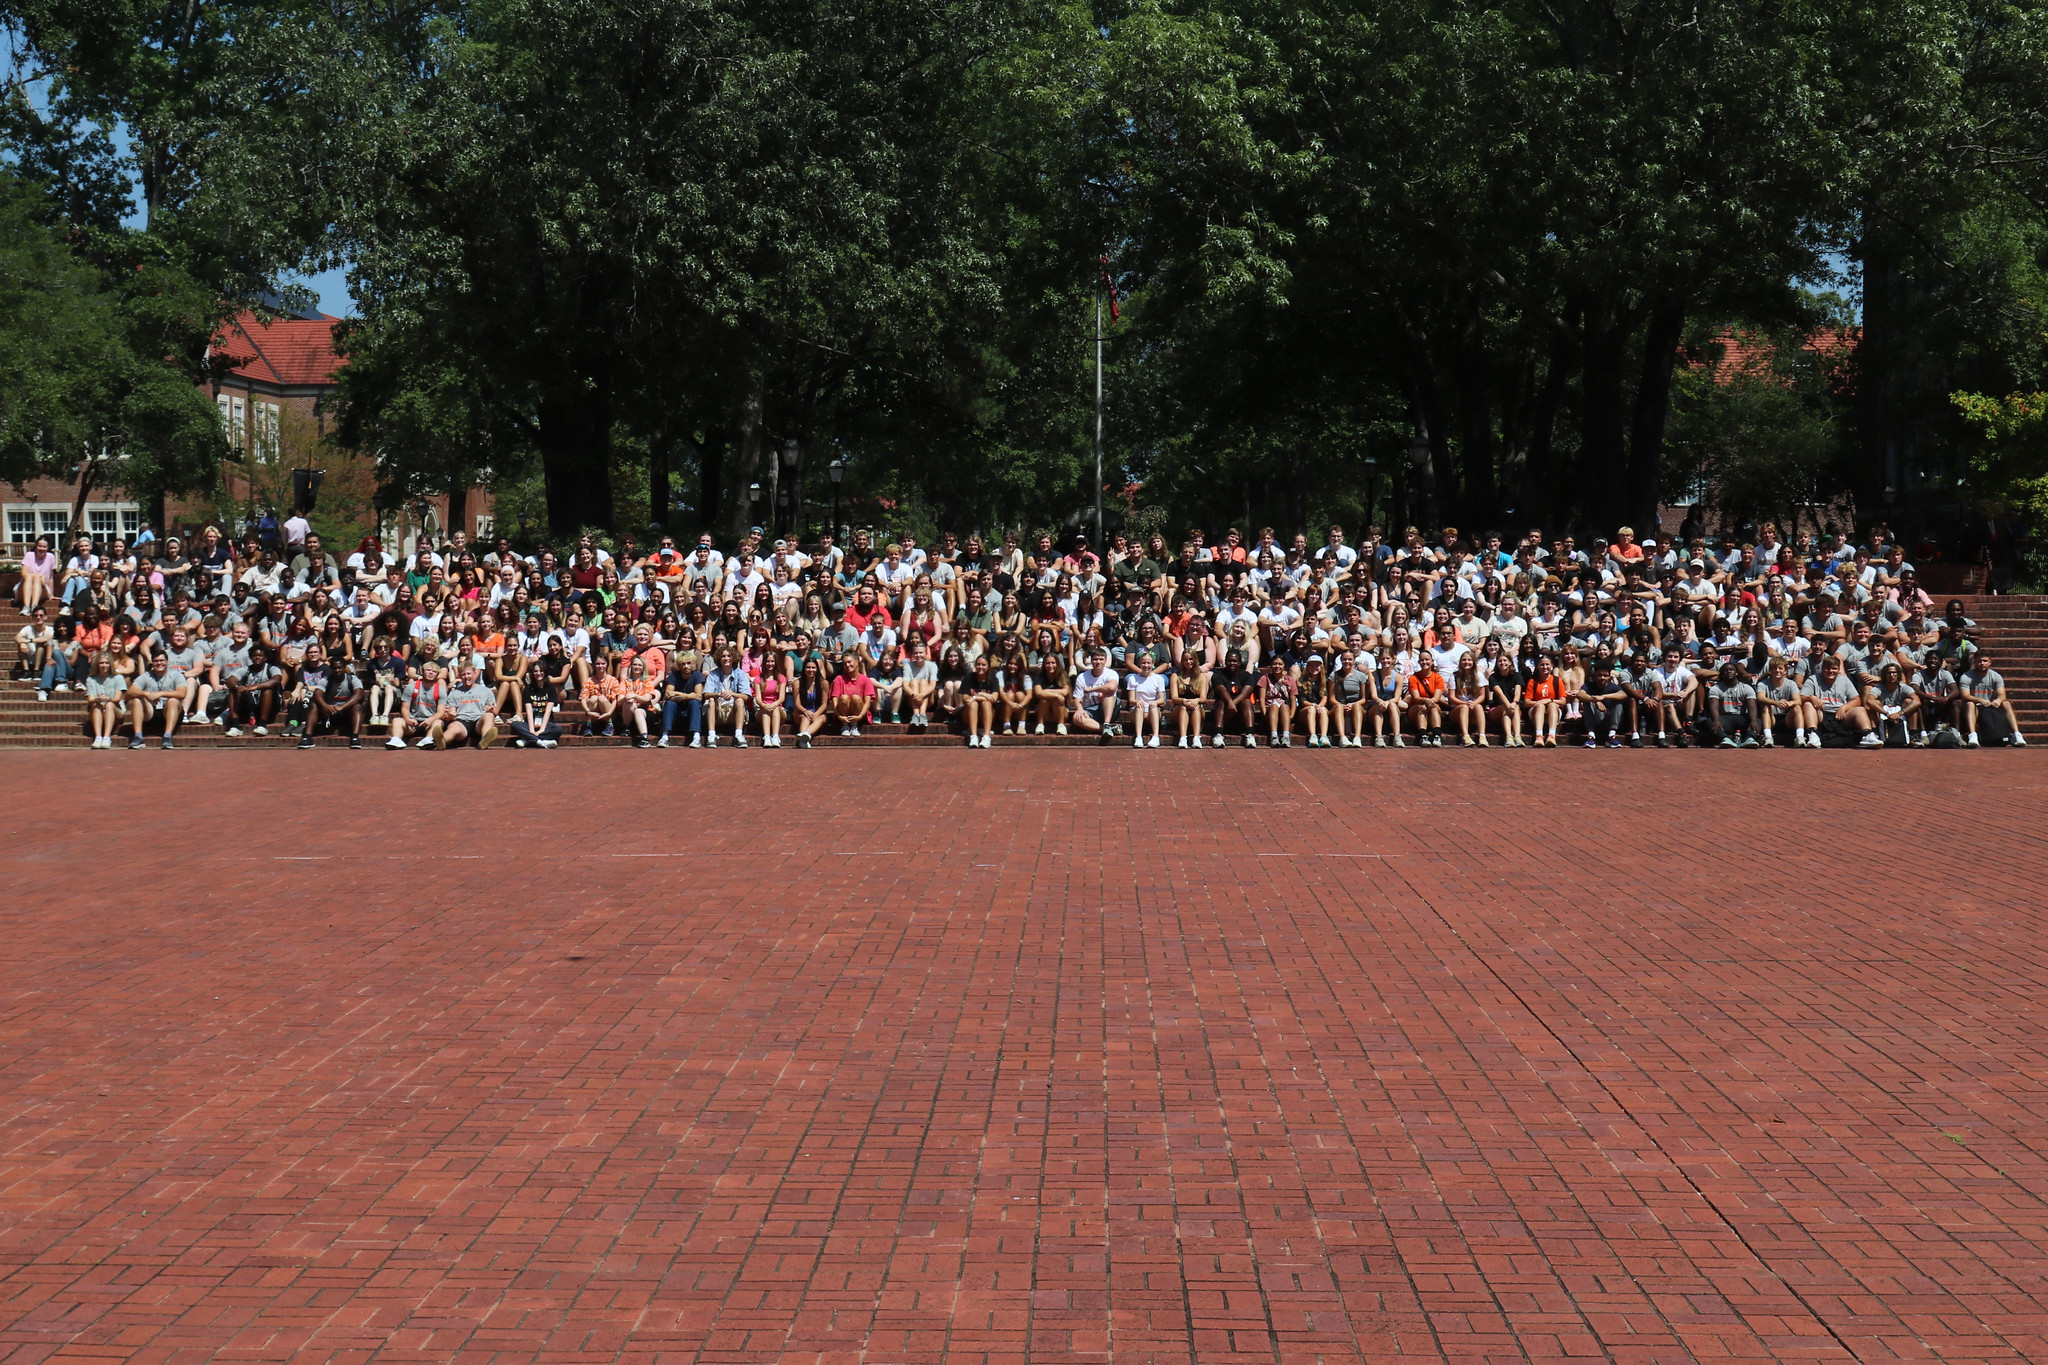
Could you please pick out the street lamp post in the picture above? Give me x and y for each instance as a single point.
(754, 502)
(835, 472)
(792, 457)
(1372, 479)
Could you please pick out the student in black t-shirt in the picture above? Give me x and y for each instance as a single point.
(1233, 691)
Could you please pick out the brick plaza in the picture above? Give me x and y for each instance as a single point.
(1050, 1055)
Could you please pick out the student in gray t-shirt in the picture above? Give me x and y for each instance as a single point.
(1983, 689)
(1732, 703)
(470, 709)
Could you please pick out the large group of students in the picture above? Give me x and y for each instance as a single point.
(1250, 640)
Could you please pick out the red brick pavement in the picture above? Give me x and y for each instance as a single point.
(1049, 1056)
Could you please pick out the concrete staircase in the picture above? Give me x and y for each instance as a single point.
(2015, 629)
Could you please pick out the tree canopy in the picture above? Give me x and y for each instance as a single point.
(1435, 261)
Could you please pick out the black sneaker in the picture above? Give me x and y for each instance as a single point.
(1663, 743)
(305, 741)
(1635, 741)
(355, 741)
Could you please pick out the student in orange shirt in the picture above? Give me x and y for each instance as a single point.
(1544, 695)
(1426, 689)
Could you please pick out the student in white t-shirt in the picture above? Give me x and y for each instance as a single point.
(1147, 689)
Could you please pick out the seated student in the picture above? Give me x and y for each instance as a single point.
(1312, 701)
(1940, 697)
(468, 712)
(106, 695)
(329, 695)
(638, 699)
(1891, 704)
(978, 702)
(601, 697)
(1095, 689)
(1428, 694)
(1188, 694)
(1013, 692)
(1832, 698)
(1778, 702)
(535, 728)
(1049, 696)
(1350, 686)
(1146, 688)
(1234, 691)
(157, 690)
(1467, 697)
(682, 699)
(255, 691)
(1983, 695)
(1731, 709)
(918, 684)
(1674, 694)
(187, 658)
(1545, 696)
(728, 690)
(384, 675)
(418, 717)
(1606, 703)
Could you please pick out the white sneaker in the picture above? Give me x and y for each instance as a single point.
(63, 687)
(697, 741)
(1138, 743)
(1041, 727)
(259, 730)
(548, 744)
(1154, 743)
(1972, 742)
(42, 695)
(1251, 741)
(233, 732)
(739, 741)
(1219, 742)
(1870, 740)
(711, 741)
(1060, 729)
(394, 743)
(1183, 741)
(661, 743)
(2019, 741)
(426, 742)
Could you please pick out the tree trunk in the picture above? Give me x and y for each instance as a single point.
(1480, 504)
(710, 470)
(657, 477)
(1601, 501)
(1429, 421)
(458, 509)
(747, 465)
(1653, 406)
(1539, 481)
(575, 442)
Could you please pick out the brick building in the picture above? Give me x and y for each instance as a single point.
(277, 393)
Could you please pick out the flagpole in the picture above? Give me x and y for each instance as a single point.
(1099, 542)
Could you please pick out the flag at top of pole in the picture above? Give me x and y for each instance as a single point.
(1109, 287)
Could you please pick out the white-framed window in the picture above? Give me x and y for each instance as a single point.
(56, 520)
(21, 524)
(268, 423)
(486, 525)
(109, 519)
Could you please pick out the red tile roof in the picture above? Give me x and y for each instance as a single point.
(292, 351)
(1737, 354)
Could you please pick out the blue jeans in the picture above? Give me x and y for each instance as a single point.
(57, 670)
(693, 709)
